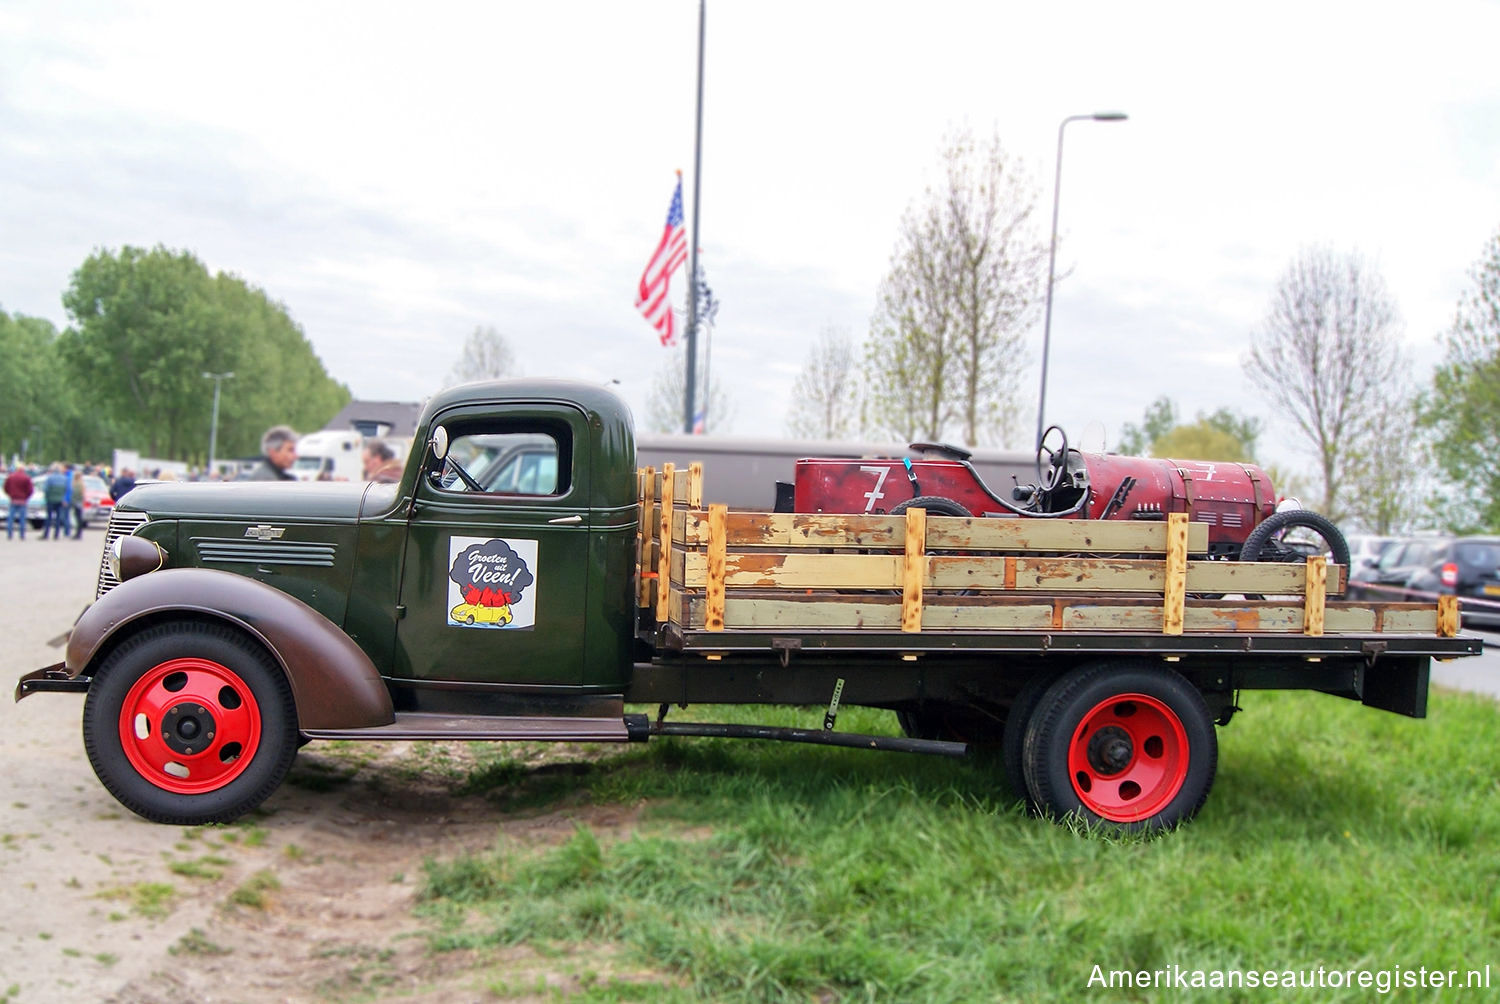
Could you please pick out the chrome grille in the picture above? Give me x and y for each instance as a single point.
(122, 523)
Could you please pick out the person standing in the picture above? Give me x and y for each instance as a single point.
(381, 464)
(278, 449)
(80, 490)
(18, 489)
(122, 484)
(55, 487)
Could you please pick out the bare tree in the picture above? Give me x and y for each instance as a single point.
(1383, 471)
(825, 397)
(966, 281)
(1326, 356)
(486, 356)
(664, 406)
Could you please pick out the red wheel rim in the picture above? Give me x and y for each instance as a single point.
(190, 726)
(1128, 758)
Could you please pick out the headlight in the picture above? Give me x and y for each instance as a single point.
(131, 556)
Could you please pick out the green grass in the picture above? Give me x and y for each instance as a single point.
(1335, 836)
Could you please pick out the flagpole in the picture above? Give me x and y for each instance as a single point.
(692, 304)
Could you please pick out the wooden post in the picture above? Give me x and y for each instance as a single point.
(1316, 596)
(1448, 617)
(713, 617)
(695, 485)
(1175, 598)
(914, 569)
(664, 555)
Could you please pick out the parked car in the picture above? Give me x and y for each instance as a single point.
(1365, 549)
(1421, 567)
(97, 503)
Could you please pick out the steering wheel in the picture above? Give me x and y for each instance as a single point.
(1051, 465)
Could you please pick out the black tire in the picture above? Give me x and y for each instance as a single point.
(936, 505)
(233, 724)
(1265, 541)
(1122, 744)
(1021, 711)
(956, 723)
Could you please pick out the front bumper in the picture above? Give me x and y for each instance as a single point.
(54, 679)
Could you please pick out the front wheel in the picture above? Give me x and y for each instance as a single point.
(1295, 535)
(190, 723)
(1122, 743)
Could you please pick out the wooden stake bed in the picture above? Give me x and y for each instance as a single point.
(947, 582)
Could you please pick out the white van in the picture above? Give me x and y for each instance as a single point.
(330, 455)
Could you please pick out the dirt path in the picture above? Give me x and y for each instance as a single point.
(309, 900)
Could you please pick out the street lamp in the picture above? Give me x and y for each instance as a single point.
(1041, 404)
(213, 429)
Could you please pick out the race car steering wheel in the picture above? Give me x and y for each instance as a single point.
(1051, 475)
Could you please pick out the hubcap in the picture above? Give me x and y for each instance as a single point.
(1129, 758)
(189, 725)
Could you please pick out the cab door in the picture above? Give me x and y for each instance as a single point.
(496, 574)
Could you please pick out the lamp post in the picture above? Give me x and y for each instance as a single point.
(213, 429)
(1041, 404)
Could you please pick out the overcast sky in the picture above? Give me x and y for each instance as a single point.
(398, 174)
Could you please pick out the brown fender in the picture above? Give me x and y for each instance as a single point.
(335, 684)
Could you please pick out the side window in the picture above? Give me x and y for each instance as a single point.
(1392, 556)
(518, 460)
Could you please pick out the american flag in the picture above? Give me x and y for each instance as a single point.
(672, 251)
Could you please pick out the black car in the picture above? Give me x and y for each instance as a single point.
(1420, 568)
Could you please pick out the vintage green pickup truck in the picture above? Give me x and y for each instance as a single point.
(524, 581)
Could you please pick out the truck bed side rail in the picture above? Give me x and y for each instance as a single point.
(711, 570)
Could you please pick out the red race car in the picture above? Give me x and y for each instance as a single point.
(1237, 501)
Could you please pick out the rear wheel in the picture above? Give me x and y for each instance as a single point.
(1021, 711)
(1122, 743)
(190, 723)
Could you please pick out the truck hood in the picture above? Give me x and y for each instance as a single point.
(270, 500)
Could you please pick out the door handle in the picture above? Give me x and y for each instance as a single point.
(575, 518)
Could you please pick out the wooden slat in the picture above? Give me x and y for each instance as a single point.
(1316, 596)
(801, 570)
(695, 485)
(664, 535)
(882, 612)
(827, 530)
(913, 570)
(714, 614)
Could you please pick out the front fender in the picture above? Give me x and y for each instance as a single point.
(335, 684)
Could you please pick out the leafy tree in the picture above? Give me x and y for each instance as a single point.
(1462, 408)
(1161, 418)
(1384, 471)
(51, 414)
(149, 324)
(1200, 441)
(486, 356)
(1325, 356)
(825, 396)
(1222, 435)
(965, 284)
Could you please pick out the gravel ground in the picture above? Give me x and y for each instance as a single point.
(310, 899)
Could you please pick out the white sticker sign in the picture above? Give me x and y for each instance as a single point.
(492, 583)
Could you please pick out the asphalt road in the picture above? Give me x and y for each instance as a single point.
(1480, 674)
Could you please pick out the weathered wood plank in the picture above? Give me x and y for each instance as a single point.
(828, 530)
(1175, 591)
(913, 570)
(1448, 616)
(714, 611)
(802, 570)
(882, 612)
(1317, 588)
(664, 535)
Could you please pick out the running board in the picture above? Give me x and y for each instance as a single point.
(538, 728)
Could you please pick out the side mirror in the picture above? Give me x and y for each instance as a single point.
(438, 442)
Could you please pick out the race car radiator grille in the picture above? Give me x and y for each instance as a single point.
(122, 523)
